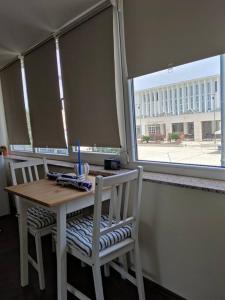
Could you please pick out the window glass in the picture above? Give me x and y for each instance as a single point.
(21, 148)
(184, 123)
(95, 149)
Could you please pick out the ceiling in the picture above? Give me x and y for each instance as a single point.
(25, 23)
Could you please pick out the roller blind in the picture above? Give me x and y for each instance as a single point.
(161, 33)
(15, 114)
(43, 96)
(87, 58)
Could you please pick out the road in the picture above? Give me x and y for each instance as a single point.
(190, 153)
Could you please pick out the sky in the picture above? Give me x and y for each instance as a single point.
(202, 68)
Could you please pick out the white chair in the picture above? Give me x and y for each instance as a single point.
(40, 220)
(99, 239)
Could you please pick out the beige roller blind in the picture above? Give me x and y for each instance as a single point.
(43, 96)
(15, 114)
(161, 33)
(87, 58)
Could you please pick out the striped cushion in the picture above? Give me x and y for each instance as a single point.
(38, 217)
(73, 214)
(79, 234)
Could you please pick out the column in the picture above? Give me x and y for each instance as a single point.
(178, 100)
(173, 101)
(151, 105)
(205, 96)
(198, 131)
(213, 106)
(141, 106)
(188, 96)
(168, 100)
(200, 96)
(163, 101)
(194, 97)
(155, 104)
(168, 129)
(142, 129)
(183, 98)
(218, 93)
(162, 129)
(159, 102)
(185, 128)
(148, 104)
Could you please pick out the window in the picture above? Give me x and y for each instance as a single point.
(203, 96)
(181, 100)
(21, 148)
(95, 149)
(186, 99)
(63, 151)
(197, 97)
(52, 151)
(185, 125)
(215, 86)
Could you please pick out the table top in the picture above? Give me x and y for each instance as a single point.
(48, 193)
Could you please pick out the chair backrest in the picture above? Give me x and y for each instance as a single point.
(29, 170)
(120, 187)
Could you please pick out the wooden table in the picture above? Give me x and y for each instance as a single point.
(61, 200)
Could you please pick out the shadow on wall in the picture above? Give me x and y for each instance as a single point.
(182, 244)
(148, 236)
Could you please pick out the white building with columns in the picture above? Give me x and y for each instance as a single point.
(191, 108)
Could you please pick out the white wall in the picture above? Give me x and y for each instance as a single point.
(183, 240)
(3, 131)
(4, 202)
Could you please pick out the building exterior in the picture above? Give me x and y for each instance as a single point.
(190, 108)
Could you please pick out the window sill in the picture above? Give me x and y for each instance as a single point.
(209, 185)
(187, 170)
(95, 158)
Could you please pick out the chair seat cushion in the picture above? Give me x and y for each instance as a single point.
(80, 230)
(73, 214)
(39, 217)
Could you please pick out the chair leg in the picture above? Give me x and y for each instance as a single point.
(96, 269)
(106, 270)
(53, 245)
(123, 262)
(138, 270)
(41, 274)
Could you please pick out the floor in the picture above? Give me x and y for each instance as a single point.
(114, 287)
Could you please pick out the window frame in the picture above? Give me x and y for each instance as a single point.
(200, 171)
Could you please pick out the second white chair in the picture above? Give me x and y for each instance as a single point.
(99, 239)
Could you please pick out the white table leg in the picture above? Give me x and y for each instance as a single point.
(23, 242)
(61, 253)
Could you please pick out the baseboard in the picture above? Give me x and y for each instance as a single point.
(163, 291)
(160, 289)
